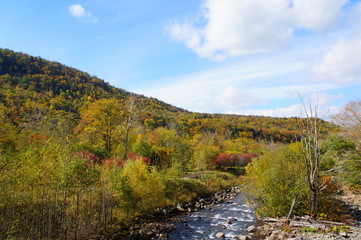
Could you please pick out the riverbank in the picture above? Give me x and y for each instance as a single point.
(189, 224)
(212, 217)
(307, 228)
(165, 220)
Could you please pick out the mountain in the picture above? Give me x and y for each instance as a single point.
(21, 72)
(27, 81)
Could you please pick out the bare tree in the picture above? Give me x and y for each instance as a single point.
(349, 119)
(313, 153)
(131, 118)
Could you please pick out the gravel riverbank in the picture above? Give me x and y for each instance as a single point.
(297, 228)
(307, 228)
(166, 217)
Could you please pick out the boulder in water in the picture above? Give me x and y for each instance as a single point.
(251, 228)
(242, 237)
(219, 235)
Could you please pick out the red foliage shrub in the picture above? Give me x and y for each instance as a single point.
(113, 162)
(119, 163)
(232, 160)
(88, 156)
(221, 161)
(133, 157)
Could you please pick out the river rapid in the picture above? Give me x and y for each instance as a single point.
(231, 218)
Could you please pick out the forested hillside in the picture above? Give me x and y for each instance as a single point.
(80, 158)
(31, 84)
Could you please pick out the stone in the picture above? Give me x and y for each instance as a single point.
(273, 236)
(343, 234)
(283, 235)
(264, 233)
(251, 228)
(242, 237)
(229, 222)
(180, 208)
(219, 235)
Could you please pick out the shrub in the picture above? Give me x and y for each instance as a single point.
(275, 179)
(232, 160)
(145, 188)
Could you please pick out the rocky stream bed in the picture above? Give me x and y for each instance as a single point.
(225, 215)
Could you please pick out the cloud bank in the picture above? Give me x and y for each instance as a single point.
(342, 62)
(236, 28)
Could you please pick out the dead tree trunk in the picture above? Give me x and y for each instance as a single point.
(313, 154)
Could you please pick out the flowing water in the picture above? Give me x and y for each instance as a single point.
(232, 219)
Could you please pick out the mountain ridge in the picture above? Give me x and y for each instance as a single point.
(27, 81)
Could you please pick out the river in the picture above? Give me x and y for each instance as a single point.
(232, 219)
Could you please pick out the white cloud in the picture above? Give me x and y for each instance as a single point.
(80, 13)
(234, 88)
(77, 10)
(235, 99)
(342, 62)
(324, 109)
(291, 111)
(316, 15)
(234, 28)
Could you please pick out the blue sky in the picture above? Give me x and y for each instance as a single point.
(251, 57)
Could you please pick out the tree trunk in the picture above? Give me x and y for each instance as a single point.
(126, 138)
(108, 143)
(314, 203)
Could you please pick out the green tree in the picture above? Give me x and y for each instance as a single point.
(137, 188)
(275, 179)
(170, 147)
(345, 160)
(7, 138)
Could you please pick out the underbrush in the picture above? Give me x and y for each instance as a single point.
(184, 190)
(198, 184)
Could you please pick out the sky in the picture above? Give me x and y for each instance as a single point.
(249, 57)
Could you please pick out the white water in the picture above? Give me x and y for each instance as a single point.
(206, 223)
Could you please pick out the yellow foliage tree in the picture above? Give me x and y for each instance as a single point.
(145, 189)
(101, 120)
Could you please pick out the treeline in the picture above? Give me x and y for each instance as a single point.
(64, 178)
(30, 84)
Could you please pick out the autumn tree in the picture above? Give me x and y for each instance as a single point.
(171, 149)
(349, 119)
(276, 178)
(101, 120)
(130, 119)
(7, 138)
